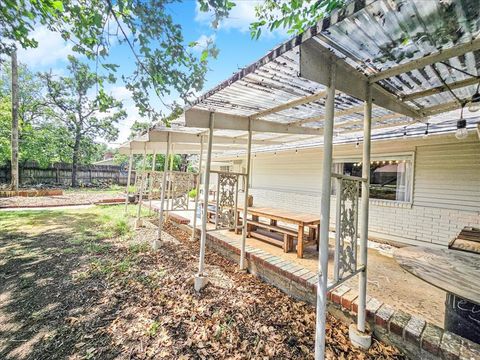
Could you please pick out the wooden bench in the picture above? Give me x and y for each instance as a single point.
(285, 241)
(467, 240)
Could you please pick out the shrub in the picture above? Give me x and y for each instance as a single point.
(192, 193)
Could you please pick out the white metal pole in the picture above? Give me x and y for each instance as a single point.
(197, 188)
(245, 203)
(362, 284)
(338, 226)
(325, 217)
(170, 182)
(129, 177)
(158, 242)
(200, 280)
(151, 183)
(140, 195)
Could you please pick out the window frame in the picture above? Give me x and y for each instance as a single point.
(409, 155)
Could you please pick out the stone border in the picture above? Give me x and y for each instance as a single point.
(411, 334)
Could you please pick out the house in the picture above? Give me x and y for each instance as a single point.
(423, 190)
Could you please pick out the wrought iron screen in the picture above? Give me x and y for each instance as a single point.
(180, 185)
(140, 181)
(155, 184)
(227, 199)
(346, 233)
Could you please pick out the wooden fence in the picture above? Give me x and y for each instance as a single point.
(61, 174)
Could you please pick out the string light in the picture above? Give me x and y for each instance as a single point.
(462, 131)
(426, 132)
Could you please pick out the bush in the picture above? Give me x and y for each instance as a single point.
(192, 193)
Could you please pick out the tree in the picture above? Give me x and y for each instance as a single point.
(138, 127)
(14, 141)
(164, 61)
(84, 117)
(293, 15)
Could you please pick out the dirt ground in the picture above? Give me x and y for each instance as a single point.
(387, 281)
(79, 284)
(70, 197)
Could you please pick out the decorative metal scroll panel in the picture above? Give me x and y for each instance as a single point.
(346, 228)
(227, 200)
(140, 181)
(181, 184)
(155, 184)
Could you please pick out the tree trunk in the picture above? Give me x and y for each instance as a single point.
(15, 105)
(76, 148)
(184, 162)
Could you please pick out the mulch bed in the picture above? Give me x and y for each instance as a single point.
(235, 316)
(77, 198)
(130, 303)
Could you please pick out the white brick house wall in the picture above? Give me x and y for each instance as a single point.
(446, 193)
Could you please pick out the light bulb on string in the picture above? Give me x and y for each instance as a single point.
(425, 135)
(462, 131)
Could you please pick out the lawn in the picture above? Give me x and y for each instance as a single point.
(82, 284)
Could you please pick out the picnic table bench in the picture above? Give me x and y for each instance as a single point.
(270, 231)
(282, 235)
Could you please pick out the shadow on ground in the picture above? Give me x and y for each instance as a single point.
(48, 310)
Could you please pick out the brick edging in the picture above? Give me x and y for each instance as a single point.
(43, 206)
(411, 334)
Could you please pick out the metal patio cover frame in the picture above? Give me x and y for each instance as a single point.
(330, 74)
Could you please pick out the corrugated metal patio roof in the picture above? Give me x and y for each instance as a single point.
(379, 39)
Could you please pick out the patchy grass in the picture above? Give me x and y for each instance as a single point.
(81, 284)
(113, 189)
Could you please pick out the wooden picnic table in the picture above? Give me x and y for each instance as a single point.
(300, 220)
(457, 273)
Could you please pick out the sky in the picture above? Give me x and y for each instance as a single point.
(232, 38)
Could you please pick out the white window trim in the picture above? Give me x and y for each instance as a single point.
(410, 155)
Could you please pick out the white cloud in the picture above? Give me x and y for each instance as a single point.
(51, 49)
(203, 41)
(120, 93)
(239, 18)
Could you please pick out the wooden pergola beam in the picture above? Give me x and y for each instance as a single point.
(314, 61)
(440, 89)
(458, 50)
(200, 119)
(290, 104)
(189, 138)
(437, 109)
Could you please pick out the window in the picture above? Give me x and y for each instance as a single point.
(390, 177)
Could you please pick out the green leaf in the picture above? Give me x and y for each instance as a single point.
(57, 5)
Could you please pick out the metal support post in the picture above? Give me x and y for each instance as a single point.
(325, 217)
(150, 188)
(200, 280)
(157, 243)
(138, 223)
(129, 177)
(357, 333)
(242, 264)
(197, 188)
